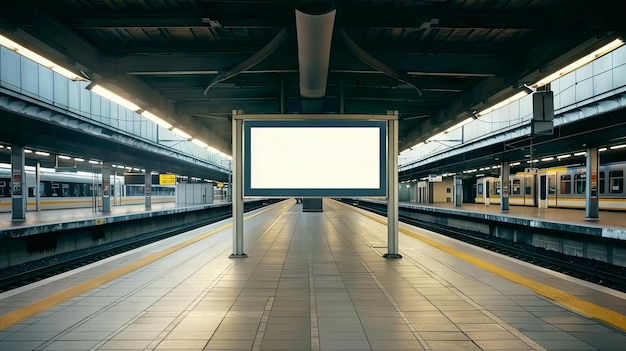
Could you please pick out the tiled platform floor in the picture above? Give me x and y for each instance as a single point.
(312, 281)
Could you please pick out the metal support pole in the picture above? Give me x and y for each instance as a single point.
(19, 193)
(458, 191)
(37, 182)
(592, 212)
(148, 186)
(106, 187)
(237, 201)
(504, 178)
(392, 188)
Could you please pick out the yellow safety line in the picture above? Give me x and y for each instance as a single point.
(575, 303)
(18, 315)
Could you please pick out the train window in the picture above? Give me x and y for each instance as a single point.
(580, 182)
(551, 185)
(479, 189)
(602, 182)
(616, 182)
(566, 184)
(517, 187)
(497, 187)
(2, 186)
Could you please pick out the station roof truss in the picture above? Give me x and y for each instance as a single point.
(441, 59)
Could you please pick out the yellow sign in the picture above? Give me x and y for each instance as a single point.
(167, 179)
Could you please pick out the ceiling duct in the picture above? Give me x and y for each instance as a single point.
(314, 26)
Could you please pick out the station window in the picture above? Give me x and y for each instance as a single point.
(517, 187)
(602, 183)
(479, 189)
(580, 182)
(566, 184)
(616, 182)
(552, 184)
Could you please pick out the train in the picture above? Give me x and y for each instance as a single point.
(562, 187)
(77, 190)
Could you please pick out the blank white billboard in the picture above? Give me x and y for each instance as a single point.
(314, 158)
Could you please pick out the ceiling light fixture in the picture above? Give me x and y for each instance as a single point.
(580, 62)
(19, 49)
(112, 96)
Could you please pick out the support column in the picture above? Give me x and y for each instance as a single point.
(148, 187)
(592, 212)
(106, 187)
(37, 182)
(505, 170)
(392, 188)
(19, 193)
(237, 186)
(458, 191)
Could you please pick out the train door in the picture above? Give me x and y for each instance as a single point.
(542, 187)
(469, 191)
(530, 193)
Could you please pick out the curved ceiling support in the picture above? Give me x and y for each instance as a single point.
(314, 26)
(251, 61)
(375, 63)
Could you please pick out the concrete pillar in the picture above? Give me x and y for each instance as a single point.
(458, 191)
(505, 170)
(148, 187)
(592, 203)
(392, 188)
(237, 202)
(19, 193)
(106, 187)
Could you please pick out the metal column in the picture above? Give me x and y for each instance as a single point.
(148, 186)
(19, 193)
(106, 187)
(458, 191)
(591, 188)
(237, 201)
(392, 189)
(504, 179)
(37, 183)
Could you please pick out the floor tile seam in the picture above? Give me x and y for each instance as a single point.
(389, 297)
(479, 307)
(190, 307)
(163, 335)
(260, 334)
(508, 327)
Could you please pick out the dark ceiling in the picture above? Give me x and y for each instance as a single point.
(442, 59)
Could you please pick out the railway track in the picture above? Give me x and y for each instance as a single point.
(593, 271)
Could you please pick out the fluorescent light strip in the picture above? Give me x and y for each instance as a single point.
(158, 120)
(199, 143)
(580, 62)
(13, 46)
(563, 156)
(580, 154)
(181, 133)
(63, 157)
(617, 147)
(42, 153)
(114, 97)
(503, 103)
(460, 124)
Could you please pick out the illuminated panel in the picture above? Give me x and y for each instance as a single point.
(314, 158)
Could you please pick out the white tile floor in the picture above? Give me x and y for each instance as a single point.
(312, 281)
